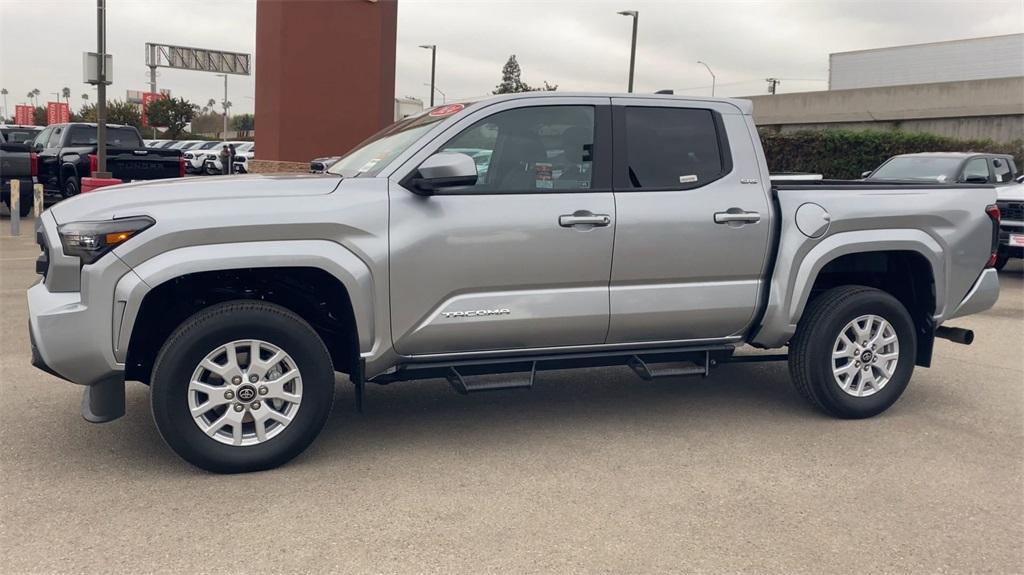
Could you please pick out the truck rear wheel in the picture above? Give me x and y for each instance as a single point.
(242, 386)
(853, 352)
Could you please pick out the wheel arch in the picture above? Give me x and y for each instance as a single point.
(800, 278)
(321, 281)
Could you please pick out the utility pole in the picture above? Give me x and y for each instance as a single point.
(772, 83)
(712, 76)
(101, 90)
(225, 104)
(433, 68)
(632, 49)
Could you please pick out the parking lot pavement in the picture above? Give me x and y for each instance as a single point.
(591, 471)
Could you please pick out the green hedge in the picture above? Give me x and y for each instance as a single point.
(844, 154)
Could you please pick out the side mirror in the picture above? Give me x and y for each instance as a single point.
(865, 174)
(444, 170)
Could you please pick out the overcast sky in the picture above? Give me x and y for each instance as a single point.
(579, 45)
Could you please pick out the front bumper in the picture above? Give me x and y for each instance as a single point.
(71, 326)
(982, 295)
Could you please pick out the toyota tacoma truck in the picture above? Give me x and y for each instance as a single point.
(17, 162)
(67, 153)
(630, 230)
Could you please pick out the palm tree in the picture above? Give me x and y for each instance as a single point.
(3, 92)
(66, 92)
(34, 94)
(85, 97)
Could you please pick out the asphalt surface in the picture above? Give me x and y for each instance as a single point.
(591, 471)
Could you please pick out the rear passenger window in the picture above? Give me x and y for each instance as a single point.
(672, 148)
(1002, 170)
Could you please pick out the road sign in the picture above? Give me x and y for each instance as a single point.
(200, 59)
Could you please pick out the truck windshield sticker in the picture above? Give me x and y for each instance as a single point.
(447, 110)
(687, 179)
(543, 175)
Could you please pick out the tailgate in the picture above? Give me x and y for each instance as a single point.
(147, 164)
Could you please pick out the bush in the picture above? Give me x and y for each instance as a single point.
(844, 154)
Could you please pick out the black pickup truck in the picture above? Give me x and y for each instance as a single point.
(67, 153)
(17, 162)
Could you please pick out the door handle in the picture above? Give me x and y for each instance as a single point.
(737, 215)
(584, 219)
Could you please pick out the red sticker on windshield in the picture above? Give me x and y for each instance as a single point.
(447, 110)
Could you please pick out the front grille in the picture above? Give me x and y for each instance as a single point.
(1011, 210)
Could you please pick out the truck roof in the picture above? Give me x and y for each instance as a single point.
(745, 106)
(952, 155)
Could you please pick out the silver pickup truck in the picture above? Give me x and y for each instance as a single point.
(485, 243)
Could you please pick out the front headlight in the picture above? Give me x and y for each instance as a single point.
(91, 240)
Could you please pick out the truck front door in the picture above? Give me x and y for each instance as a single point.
(520, 259)
(692, 231)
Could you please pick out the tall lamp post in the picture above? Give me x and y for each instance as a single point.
(632, 49)
(101, 90)
(712, 76)
(225, 104)
(433, 68)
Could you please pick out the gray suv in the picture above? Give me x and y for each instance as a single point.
(584, 230)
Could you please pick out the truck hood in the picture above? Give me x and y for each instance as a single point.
(132, 199)
(1010, 192)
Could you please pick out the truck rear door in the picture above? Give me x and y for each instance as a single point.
(693, 221)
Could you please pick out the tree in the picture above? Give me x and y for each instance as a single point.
(118, 112)
(207, 123)
(85, 97)
(171, 113)
(34, 94)
(66, 92)
(243, 123)
(512, 82)
(39, 115)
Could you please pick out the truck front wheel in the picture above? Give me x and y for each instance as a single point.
(242, 386)
(72, 186)
(853, 352)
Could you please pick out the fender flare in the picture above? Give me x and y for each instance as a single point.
(789, 295)
(331, 257)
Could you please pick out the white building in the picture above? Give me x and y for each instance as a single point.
(952, 61)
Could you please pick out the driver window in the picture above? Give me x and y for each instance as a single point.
(530, 149)
(976, 168)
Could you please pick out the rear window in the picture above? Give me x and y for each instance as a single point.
(18, 136)
(123, 137)
(672, 148)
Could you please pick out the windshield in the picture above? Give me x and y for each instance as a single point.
(370, 157)
(918, 168)
(18, 135)
(123, 137)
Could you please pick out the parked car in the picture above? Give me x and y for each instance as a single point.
(67, 153)
(212, 164)
(17, 162)
(242, 156)
(660, 245)
(1011, 229)
(197, 153)
(959, 167)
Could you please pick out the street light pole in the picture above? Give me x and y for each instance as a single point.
(632, 49)
(101, 90)
(433, 68)
(712, 76)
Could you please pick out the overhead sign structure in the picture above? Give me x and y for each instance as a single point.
(199, 59)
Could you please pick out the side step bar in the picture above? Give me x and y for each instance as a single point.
(648, 372)
(464, 386)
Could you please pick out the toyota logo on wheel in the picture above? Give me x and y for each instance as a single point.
(246, 393)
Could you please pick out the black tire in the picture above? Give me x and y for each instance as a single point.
(810, 351)
(211, 328)
(1001, 259)
(71, 186)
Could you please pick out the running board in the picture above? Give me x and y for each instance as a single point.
(649, 371)
(466, 383)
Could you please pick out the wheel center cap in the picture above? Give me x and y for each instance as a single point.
(246, 393)
(867, 356)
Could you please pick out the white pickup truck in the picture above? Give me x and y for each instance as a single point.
(600, 230)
